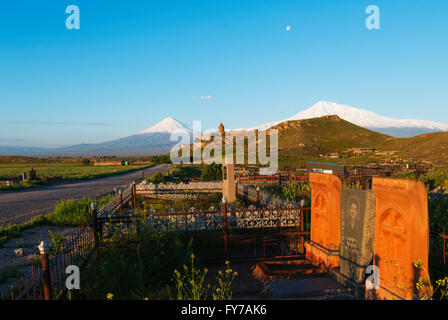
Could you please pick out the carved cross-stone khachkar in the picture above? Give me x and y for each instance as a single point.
(357, 233)
(401, 237)
(323, 248)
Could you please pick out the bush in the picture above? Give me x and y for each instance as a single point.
(142, 269)
(157, 178)
(190, 284)
(211, 172)
(67, 213)
(437, 178)
(160, 159)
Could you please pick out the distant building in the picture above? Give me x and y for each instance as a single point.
(386, 153)
(111, 163)
(337, 169)
(360, 151)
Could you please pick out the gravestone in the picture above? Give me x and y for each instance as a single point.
(401, 237)
(357, 233)
(32, 174)
(228, 182)
(323, 248)
(228, 170)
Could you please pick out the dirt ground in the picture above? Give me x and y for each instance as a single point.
(14, 267)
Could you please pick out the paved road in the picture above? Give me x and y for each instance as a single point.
(20, 206)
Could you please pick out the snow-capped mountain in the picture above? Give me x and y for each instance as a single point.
(364, 118)
(167, 125)
(154, 140)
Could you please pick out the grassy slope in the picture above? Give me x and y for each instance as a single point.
(306, 139)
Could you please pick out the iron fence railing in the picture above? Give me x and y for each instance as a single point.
(438, 253)
(45, 279)
(53, 260)
(225, 227)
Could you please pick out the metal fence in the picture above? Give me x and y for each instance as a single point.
(438, 254)
(45, 279)
(228, 232)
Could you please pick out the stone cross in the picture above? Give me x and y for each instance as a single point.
(228, 172)
(323, 248)
(401, 237)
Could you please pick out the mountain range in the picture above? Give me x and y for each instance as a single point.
(156, 139)
(152, 141)
(398, 128)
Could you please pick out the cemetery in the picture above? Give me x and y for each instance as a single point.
(327, 240)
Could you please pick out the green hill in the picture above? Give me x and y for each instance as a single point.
(304, 140)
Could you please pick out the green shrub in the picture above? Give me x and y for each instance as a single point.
(160, 159)
(436, 178)
(67, 213)
(157, 178)
(137, 270)
(291, 191)
(211, 172)
(190, 285)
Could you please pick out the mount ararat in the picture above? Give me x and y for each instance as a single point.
(156, 139)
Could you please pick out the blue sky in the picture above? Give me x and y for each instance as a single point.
(133, 63)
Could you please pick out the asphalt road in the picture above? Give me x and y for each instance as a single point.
(20, 206)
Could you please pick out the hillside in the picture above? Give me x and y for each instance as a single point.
(398, 128)
(430, 146)
(312, 137)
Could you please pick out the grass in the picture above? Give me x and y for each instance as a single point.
(139, 270)
(67, 213)
(200, 203)
(68, 171)
(9, 273)
(185, 172)
(306, 139)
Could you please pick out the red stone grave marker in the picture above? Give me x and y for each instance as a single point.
(323, 249)
(401, 237)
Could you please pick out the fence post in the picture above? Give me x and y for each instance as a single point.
(444, 247)
(95, 229)
(121, 200)
(133, 196)
(46, 275)
(302, 229)
(226, 234)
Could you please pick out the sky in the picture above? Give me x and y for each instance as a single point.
(240, 62)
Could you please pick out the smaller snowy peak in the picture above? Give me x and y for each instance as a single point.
(167, 125)
(364, 118)
(361, 117)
